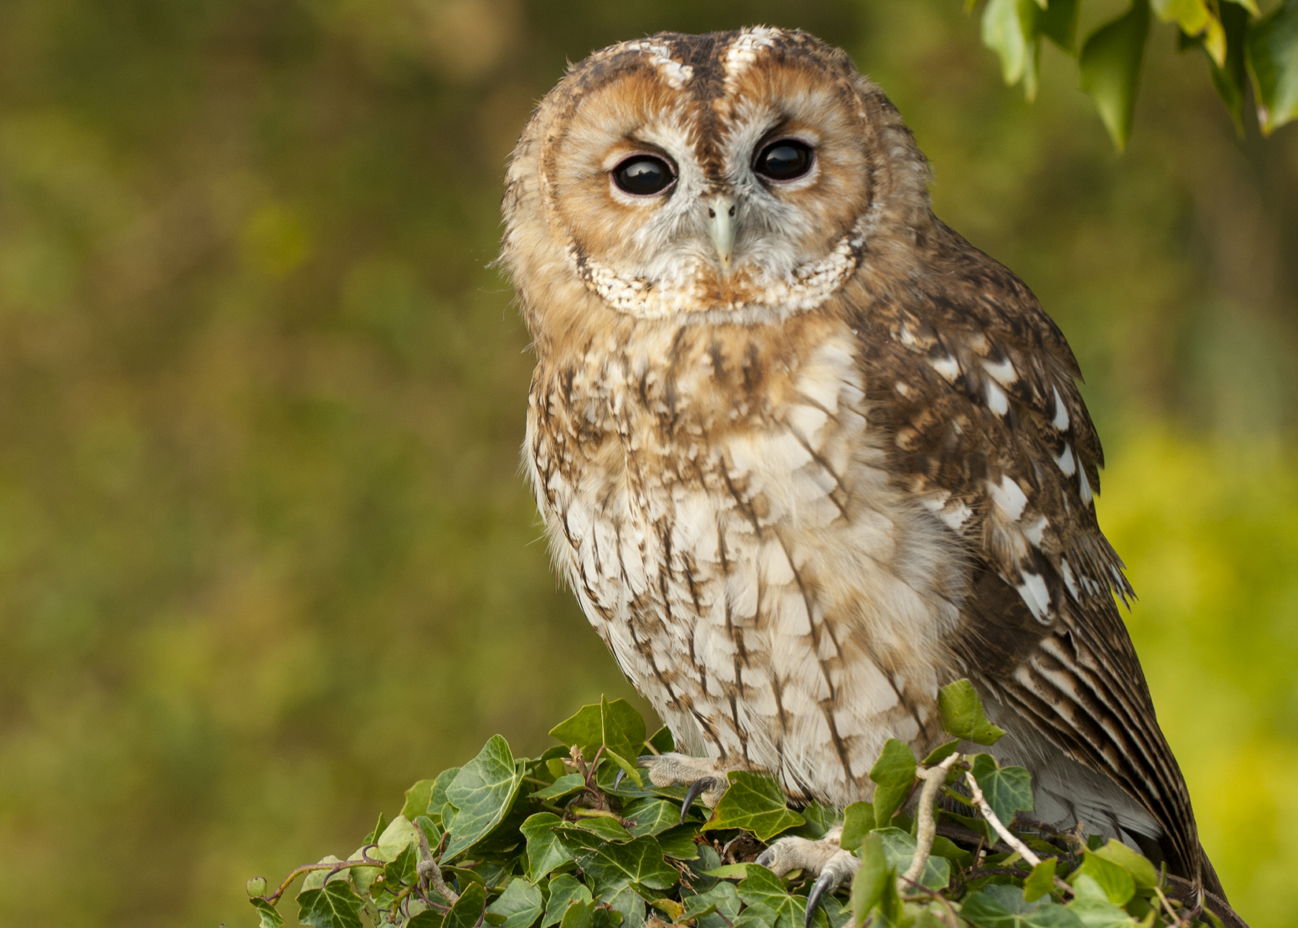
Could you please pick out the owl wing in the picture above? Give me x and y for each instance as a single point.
(978, 388)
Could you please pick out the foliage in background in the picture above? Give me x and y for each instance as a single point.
(265, 554)
(575, 838)
(1245, 49)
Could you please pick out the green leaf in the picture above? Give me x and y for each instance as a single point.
(875, 884)
(858, 820)
(1041, 882)
(316, 878)
(1118, 884)
(1004, 907)
(417, 799)
(468, 909)
(722, 898)
(520, 904)
(1058, 23)
(1091, 904)
(1140, 867)
(270, 917)
(614, 867)
(962, 714)
(764, 888)
(630, 906)
(662, 741)
(1009, 29)
(1008, 790)
(1110, 69)
(564, 889)
(945, 847)
(481, 794)
(651, 816)
(729, 872)
(819, 819)
(546, 849)
(1273, 60)
(754, 803)
(334, 905)
(894, 772)
(579, 914)
(678, 842)
(601, 826)
(615, 724)
(566, 785)
(940, 753)
(899, 849)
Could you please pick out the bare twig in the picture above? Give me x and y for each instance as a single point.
(1006, 835)
(431, 873)
(933, 777)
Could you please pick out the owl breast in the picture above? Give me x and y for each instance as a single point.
(723, 510)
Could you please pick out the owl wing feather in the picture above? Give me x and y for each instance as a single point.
(978, 388)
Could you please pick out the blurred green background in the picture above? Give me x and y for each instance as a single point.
(265, 554)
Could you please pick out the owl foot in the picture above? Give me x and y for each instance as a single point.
(826, 859)
(705, 779)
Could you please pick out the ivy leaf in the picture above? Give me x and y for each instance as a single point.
(1091, 905)
(418, 798)
(481, 794)
(1058, 23)
(678, 843)
(1140, 867)
(762, 887)
(858, 820)
(546, 850)
(875, 884)
(564, 889)
(1008, 28)
(1110, 69)
(754, 803)
(1273, 56)
(894, 774)
(334, 905)
(1116, 881)
(270, 917)
(601, 826)
(437, 799)
(899, 849)
(662, 741)
(819, 820)
(468, 908)
(1041, 882)
(962, 714)
(1008, 790)
(614, 867)
(565, 785)
(1005, 907)
(651, 816)
(520, 905)
(722, 899)
(630, 906)
(615, 724)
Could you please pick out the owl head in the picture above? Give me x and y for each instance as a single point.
(736, 174)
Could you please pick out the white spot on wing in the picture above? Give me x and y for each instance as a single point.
(1069, 580)
(1034, 593)
(997, 400)
(956, 516)
(1003, 373)
(1034, 532)
(948, 367)
(1060, 421)
(1008, 496)
(1066, 461)
(1085, 487)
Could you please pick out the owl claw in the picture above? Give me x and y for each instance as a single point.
(704, 779)
(833, 866)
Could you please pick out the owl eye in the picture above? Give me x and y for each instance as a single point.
(784, 159)
(643, 175)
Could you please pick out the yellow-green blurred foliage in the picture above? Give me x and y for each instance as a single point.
(265, 554)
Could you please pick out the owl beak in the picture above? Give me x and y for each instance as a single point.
(721, 223)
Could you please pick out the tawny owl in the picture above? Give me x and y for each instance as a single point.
(804, 454)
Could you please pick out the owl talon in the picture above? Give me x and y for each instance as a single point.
(825, 859)
(704, 779)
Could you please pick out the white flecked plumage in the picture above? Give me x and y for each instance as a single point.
(803, 453)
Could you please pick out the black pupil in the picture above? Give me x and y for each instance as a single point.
(784, 160)
(643, 176)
